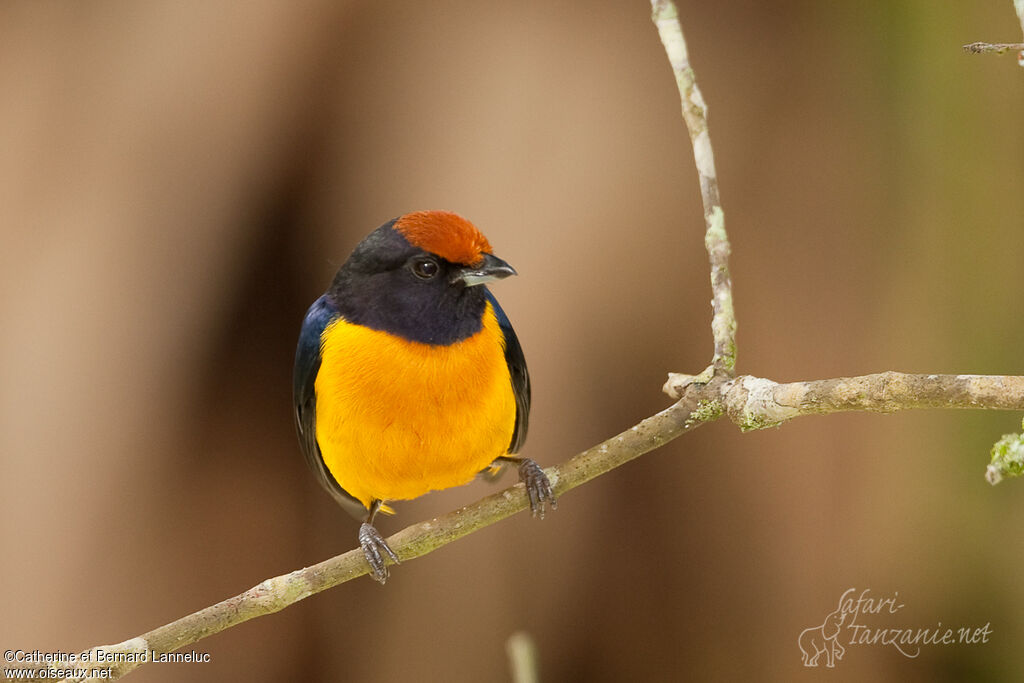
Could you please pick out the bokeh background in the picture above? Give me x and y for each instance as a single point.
(179, 180)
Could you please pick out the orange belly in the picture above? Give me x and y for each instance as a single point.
(396, 419)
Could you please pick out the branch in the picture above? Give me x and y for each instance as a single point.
(695, 113)
(1000, 48)
(414, 541)
(755, 403)
(417, 540)
(751, 402)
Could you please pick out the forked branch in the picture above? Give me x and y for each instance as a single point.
(751, 402)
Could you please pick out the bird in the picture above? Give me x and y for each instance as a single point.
(409, 377)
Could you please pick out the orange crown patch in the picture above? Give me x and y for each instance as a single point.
(444, 233)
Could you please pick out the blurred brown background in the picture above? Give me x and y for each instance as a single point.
(179, 180)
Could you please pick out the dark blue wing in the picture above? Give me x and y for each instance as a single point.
(307, 365)
(520, 376)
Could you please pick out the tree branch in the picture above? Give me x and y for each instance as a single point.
(695, 113)
(417, 540)
(751, 402)
(755, 403)
(414, 541)
(1000, 48)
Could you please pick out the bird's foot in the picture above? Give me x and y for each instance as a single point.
(538, 487)
(375, 548)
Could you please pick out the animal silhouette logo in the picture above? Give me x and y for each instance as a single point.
(823, 640)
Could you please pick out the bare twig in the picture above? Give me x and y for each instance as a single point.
(1000, 48)
(695, 113)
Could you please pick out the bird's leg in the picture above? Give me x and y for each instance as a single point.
(375, 547)
(538, 487)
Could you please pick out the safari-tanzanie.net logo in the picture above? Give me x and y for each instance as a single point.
(862, 619)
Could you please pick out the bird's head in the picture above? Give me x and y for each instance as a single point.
(420, 276)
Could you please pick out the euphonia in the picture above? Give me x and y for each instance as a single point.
(408, 375)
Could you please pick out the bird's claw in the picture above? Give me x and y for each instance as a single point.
(538, 487)
(374, 549)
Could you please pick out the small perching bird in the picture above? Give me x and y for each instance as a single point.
(408, 375)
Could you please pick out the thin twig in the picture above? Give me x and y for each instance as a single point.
(695, 113)
(1000, 48)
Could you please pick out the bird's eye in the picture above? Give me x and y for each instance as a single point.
(425, 268)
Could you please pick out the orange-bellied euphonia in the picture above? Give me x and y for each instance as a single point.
(408, 375)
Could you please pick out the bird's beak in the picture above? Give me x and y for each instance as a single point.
(490, 268)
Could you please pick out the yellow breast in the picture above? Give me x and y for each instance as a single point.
(396, 419)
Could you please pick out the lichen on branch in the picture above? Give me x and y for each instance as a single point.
(1007, 458)
(756, 403)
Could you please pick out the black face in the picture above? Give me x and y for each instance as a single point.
(389, 285)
